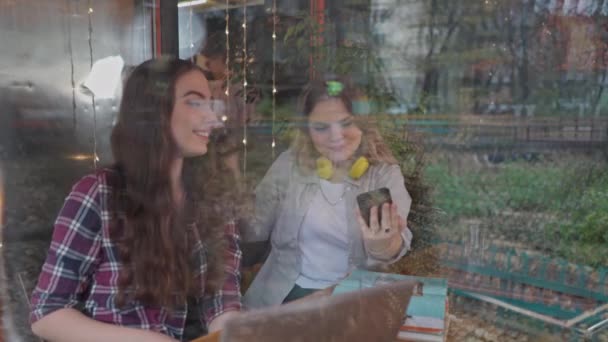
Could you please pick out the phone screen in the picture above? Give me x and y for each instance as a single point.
(373, 198)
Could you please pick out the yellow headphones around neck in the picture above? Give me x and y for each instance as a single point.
(325, 168)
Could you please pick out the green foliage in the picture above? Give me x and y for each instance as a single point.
(459, 195)
(356, 59)
(284, 114)
(423, 259)
(517, 186)
(584, 231)
(307, 36)
(523, 187)
(567, 201)
(421, 219)
(591, 216)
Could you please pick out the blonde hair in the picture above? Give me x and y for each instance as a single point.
(372, 144)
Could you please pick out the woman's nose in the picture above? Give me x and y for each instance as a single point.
(212, 120)
(336, 132)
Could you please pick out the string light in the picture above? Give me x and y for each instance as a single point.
(145, 33)
(244, 88)
(274, 83)
(71, 52)
(227, 51)
(190, 13)
(96, 157)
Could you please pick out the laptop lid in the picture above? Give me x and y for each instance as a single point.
(370, 314)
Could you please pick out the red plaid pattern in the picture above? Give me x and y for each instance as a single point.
(82, 267)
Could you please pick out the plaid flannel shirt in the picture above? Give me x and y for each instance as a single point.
(82, 266)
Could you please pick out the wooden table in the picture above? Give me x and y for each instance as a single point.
(213, 337)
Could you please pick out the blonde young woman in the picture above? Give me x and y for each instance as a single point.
(306, 203)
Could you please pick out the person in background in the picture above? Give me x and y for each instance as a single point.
(134, 241)
(306, 203)
(212, 59)
(237, 112)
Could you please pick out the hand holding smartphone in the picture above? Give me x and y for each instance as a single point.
(373, 198)
(383, 240)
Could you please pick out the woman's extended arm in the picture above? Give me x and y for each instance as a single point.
(67, 325)
(392, 178)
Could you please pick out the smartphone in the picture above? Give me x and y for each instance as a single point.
(376, 198)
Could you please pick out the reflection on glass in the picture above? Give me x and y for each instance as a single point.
(500, 107)
(105, 77)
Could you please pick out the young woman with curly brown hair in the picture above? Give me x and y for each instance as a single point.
(133, 242)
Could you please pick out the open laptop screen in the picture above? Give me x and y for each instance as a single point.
(371, 314)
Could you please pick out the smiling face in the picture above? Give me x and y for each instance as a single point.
(333, 131)
(192, 118)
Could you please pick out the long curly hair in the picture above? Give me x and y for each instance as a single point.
(155, 237)
(372, 145)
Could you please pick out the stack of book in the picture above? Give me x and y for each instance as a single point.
(426, 317)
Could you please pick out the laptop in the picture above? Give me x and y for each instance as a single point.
(370, 314)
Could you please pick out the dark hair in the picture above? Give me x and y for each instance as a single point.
(152, 232)
(215, 46)
(336, 87)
